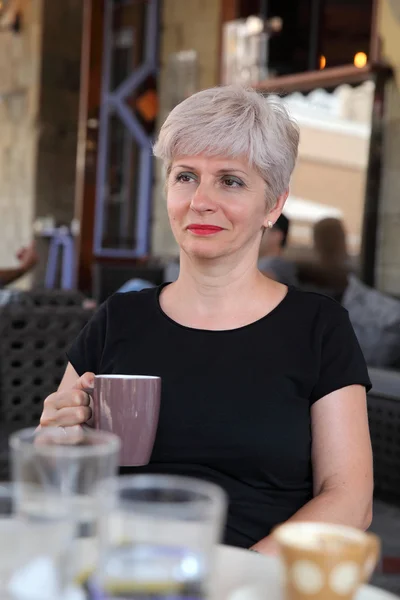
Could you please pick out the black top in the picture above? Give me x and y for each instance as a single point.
(235, 406)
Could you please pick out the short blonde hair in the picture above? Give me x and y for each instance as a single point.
(233, 121)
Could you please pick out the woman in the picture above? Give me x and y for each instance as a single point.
(263, 385)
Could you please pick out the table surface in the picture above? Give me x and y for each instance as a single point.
(244, 575)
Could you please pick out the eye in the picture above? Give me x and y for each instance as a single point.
(184, 177)
(232, 182)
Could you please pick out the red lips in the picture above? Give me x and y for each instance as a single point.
(204, 229)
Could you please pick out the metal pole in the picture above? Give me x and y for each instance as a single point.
(373, 188)
(105, 111)
(315, 21)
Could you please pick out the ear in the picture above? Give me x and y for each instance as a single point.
(274, 214)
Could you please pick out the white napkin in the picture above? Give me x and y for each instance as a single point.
(38, 580)
(248, 592)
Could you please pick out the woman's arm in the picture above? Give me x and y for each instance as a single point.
(28, 258)
(69, 379)
(342, 463)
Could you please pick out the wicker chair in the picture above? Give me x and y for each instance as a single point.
(43, 297)
(384, 422)
(33, 343)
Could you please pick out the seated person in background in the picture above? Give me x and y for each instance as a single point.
(135, 285)
(27, 257)
(171, 273)
(263, 386)
(271, 261)
(330, 243)
(328, 271)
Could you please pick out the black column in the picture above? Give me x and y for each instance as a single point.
(315, 28)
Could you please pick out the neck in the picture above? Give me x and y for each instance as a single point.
(210, 285)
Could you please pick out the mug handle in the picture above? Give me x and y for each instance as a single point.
(372, 555)
(88, 390)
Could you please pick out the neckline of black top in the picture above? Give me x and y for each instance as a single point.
(259, 321)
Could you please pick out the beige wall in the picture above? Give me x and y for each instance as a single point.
(186, 25)
(388, 261)
(336, 145)
(20, 67)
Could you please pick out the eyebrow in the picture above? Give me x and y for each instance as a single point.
(219, 172)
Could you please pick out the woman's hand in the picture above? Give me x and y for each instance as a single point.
(68, 407)
(28, 257)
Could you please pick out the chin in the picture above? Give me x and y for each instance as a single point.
(204, 249)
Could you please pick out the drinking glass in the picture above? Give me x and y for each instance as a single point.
(9, 535)
(158, 542)
(56, 473)
(28, 555)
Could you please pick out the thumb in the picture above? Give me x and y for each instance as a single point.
(85, 381)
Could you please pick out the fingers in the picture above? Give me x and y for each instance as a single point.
(71, 399)
(69, 408)
(75, 430)
(85, 381)
(61, 436)
(73, 436)
(66, 417)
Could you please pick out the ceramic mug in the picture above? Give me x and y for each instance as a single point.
(129, 406)
(324, 561)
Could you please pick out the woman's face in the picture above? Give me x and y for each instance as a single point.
(216, 206)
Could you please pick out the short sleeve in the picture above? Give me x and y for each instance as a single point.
(342, 362)
(86, 351)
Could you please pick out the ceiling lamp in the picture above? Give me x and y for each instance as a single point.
(360, 60)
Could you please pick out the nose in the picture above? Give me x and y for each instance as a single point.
(202, 199)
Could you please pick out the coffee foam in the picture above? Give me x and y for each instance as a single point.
(318, 536)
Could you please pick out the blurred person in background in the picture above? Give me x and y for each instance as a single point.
(263, 386)
(272, 261)
(330, 243)
(171, 273)
(27, 257)
(329, 270)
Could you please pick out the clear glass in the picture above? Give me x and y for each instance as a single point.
(9, 534)
(31, 555)
(158, 541)
(56, 475)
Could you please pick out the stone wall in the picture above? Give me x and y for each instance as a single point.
(39, 102)
(388, 260)
(20, 65)
(186, 25)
